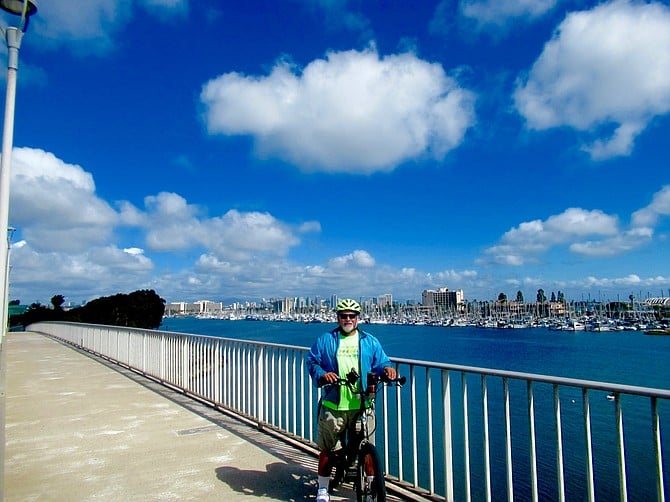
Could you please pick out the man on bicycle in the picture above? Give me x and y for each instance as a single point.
(332, 357)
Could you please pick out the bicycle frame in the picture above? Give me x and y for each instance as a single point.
(348, 460)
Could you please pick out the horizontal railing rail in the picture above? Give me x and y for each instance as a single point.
(452, 433)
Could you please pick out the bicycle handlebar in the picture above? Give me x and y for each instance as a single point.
(372, 381)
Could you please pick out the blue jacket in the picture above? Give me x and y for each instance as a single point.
(322, 359)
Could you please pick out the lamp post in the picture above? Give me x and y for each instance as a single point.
(13, 36)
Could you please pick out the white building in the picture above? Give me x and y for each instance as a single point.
(443, 299)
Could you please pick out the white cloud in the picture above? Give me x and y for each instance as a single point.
(358, 258)
(172, 224)
(67, 235)
(351, 112)
(242, 254)
(113, 258)
(309, 226)
(38, 275)
(238, 234)
(210, 263)
(66, 232)
(54, 204)
(338, 14)
(169, 5)
(660, 206)
(605, 69)
(531, 238)
(89, 27)
(455, 276)
(500, 12)
(494, 17)
(626, 241)
(583, 232)
(631, 280)
(528, 240)
(134, 251)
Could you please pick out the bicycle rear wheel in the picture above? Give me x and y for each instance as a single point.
(375, 491)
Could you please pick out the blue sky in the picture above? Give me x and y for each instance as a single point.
(244, 150)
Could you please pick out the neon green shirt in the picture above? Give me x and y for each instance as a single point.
(347, 359)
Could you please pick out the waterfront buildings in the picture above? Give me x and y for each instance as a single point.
(443, 307)
(444, 300)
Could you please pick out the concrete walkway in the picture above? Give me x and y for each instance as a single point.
(80, 428)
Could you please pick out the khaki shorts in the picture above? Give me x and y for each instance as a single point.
(334, 423)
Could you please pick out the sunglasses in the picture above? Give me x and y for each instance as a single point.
(347, 316)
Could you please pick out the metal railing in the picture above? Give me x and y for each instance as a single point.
(453, 433)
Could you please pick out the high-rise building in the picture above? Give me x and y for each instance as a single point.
(443, 299)
(385, 300)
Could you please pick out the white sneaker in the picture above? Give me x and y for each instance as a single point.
(322, 495)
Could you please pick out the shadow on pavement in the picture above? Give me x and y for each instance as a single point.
(279, 481)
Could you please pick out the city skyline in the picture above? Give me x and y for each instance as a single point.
(388, 299)
(232, 150)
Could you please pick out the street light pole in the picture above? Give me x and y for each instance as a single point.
(13, 36)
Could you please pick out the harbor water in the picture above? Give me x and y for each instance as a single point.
(620, 357)
(624, 357)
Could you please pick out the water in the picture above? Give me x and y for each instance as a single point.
(622, 357)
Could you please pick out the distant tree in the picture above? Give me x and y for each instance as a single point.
(36, 313)
(553, 297)
(57, 301)
(561, 297)
(140, 309)
(616, 308)
(519, 296)
(502, 297)
(147, 308)
(542, 300)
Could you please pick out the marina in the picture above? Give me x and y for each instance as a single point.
(647, 321)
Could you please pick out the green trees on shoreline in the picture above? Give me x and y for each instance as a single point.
(140, 309)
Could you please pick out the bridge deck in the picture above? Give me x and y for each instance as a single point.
(80, 428)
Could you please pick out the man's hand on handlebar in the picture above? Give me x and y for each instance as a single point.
(329, 378)
(390, 374)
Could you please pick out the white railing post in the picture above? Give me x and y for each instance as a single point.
(622, 452)
(448, 453)
(658, 448)
(184, 364)
(508, 441)
(260, 385)
(487, 441)
(560, 469)
(466, 437)
(589, 446)
(429, 429)
(415, 442)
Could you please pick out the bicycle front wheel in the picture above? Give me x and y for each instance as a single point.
(369, 464)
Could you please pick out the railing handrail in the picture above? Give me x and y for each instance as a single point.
(537, 377)
(564, 381)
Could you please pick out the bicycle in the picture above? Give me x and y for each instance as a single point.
(358, 457)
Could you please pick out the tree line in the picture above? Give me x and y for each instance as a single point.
(140, 309)
(540, 298)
